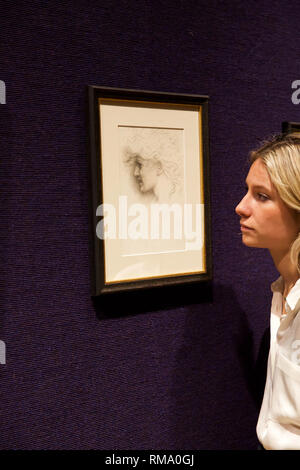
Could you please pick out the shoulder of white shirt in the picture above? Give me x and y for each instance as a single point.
(293, 297)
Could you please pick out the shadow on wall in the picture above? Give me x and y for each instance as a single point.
(218, 383)
(150, 300)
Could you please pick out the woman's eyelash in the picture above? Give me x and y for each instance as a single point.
(261, 196)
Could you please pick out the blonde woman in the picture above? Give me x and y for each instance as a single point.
(270, 218)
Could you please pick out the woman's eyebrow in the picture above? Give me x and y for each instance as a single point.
(259, 186)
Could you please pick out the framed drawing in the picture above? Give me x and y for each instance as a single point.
(289, 127)
(150, 192)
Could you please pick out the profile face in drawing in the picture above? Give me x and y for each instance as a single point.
(147, 173)
(154, 162)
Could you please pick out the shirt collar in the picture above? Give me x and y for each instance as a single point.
(277, 286)
(293, 296)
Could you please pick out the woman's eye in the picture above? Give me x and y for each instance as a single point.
(262, 197)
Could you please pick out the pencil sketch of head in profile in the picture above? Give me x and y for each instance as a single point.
(155, 159)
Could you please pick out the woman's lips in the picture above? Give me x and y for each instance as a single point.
(245, 228)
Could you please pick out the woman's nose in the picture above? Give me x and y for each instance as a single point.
(242, 209)
(136, 171)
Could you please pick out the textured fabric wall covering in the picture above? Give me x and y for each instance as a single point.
(167, 373)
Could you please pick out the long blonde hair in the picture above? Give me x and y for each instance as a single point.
(281, 157)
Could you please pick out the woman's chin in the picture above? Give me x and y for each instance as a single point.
(248, 241)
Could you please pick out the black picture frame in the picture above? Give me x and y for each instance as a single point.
(136, 115)
(288, 127)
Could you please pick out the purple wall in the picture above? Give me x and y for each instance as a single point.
(163, 373)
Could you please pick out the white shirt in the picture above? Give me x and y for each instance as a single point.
(278, 425)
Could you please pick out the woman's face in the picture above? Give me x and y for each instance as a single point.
(266, 221)
(146, 172)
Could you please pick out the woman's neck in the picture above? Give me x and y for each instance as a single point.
(286, 269)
